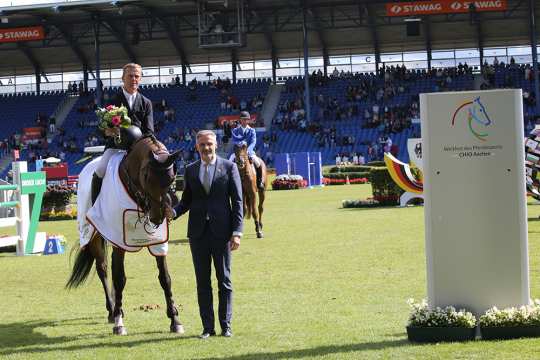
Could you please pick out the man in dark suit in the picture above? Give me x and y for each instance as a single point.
(139, 111)
(213, 195)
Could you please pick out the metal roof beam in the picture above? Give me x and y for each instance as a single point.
(476, 20)
(172, 32)
(427, 31)
(374, 35)
(319, 30)
(120, 34)
(30, 56)
(67, 34)
(266, 31)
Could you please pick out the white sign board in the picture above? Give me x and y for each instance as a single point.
(475, 200)
(414, 147)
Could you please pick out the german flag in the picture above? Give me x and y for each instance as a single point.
(401, 174)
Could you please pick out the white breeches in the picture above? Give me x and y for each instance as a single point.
(102, 166)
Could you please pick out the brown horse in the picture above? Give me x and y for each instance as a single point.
(249, 187)
(147, 172)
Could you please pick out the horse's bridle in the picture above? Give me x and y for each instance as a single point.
(142, 199)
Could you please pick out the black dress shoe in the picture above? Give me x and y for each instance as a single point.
(226, 332)
(207, 333)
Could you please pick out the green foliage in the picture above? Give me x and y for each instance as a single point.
(56, 198)
(385, 190)
(351, 175)
(376, 163)
(349, 169)
(368, 203)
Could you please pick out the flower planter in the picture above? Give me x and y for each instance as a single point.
(439, 334)
(509, 332)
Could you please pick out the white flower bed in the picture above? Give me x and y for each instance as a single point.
(422, 316)
(289, 177)
(526, 315)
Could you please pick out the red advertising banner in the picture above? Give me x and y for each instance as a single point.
(443, 7)
(33, 132)
(57, 172)
(22, 34)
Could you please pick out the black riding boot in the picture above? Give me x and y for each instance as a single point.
(258, 171)
(96, 187)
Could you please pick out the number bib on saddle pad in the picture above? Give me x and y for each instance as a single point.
(114, 214)
(137, 233)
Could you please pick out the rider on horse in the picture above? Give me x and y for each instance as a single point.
(142, 122)
(245, 134)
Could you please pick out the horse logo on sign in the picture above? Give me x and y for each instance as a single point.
(477, 117)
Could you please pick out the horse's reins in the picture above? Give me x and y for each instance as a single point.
(243, 170)
(142, 199)
(143, 204)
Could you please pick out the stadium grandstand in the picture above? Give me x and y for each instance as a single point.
(341, 77)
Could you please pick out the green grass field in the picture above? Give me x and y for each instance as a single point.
(325, 282)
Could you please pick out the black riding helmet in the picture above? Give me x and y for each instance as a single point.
(128, 136)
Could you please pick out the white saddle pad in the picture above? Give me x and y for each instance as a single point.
(115, 215)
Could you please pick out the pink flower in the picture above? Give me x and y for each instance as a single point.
(109, 108)
(116, 120)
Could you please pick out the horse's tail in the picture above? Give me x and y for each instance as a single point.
(83, 263)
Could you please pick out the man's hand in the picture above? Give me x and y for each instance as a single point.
(234, 243)
(110, 132)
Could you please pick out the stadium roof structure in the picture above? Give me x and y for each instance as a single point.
(167, 32)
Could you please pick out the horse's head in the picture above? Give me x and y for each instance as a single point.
(240, 155)
(153, 168)
(478, 112)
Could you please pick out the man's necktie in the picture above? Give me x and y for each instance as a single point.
(206, 179)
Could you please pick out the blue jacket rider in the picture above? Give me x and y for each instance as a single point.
(245, 134)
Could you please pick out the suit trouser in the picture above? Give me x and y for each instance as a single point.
(204, 250)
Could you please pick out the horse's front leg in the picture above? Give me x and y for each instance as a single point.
(119, 282)
(261, 196)
(165, 281)
(255, 215)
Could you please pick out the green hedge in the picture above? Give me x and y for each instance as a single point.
(56, 198)
(351, 175)
(376, 163)
(385, 190)
(349, 169)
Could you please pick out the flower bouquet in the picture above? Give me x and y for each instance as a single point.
(439, 324)
(112, 117)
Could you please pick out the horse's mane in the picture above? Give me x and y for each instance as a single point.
(151, 140)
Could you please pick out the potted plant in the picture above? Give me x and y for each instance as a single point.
(439, 324)
(511, 323)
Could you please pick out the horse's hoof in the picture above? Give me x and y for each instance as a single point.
(110, 318)
(119, 330)
(177, 329)
(260, 235)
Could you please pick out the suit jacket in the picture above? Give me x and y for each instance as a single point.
(222, 206)
(248, 135)
(142, 114)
